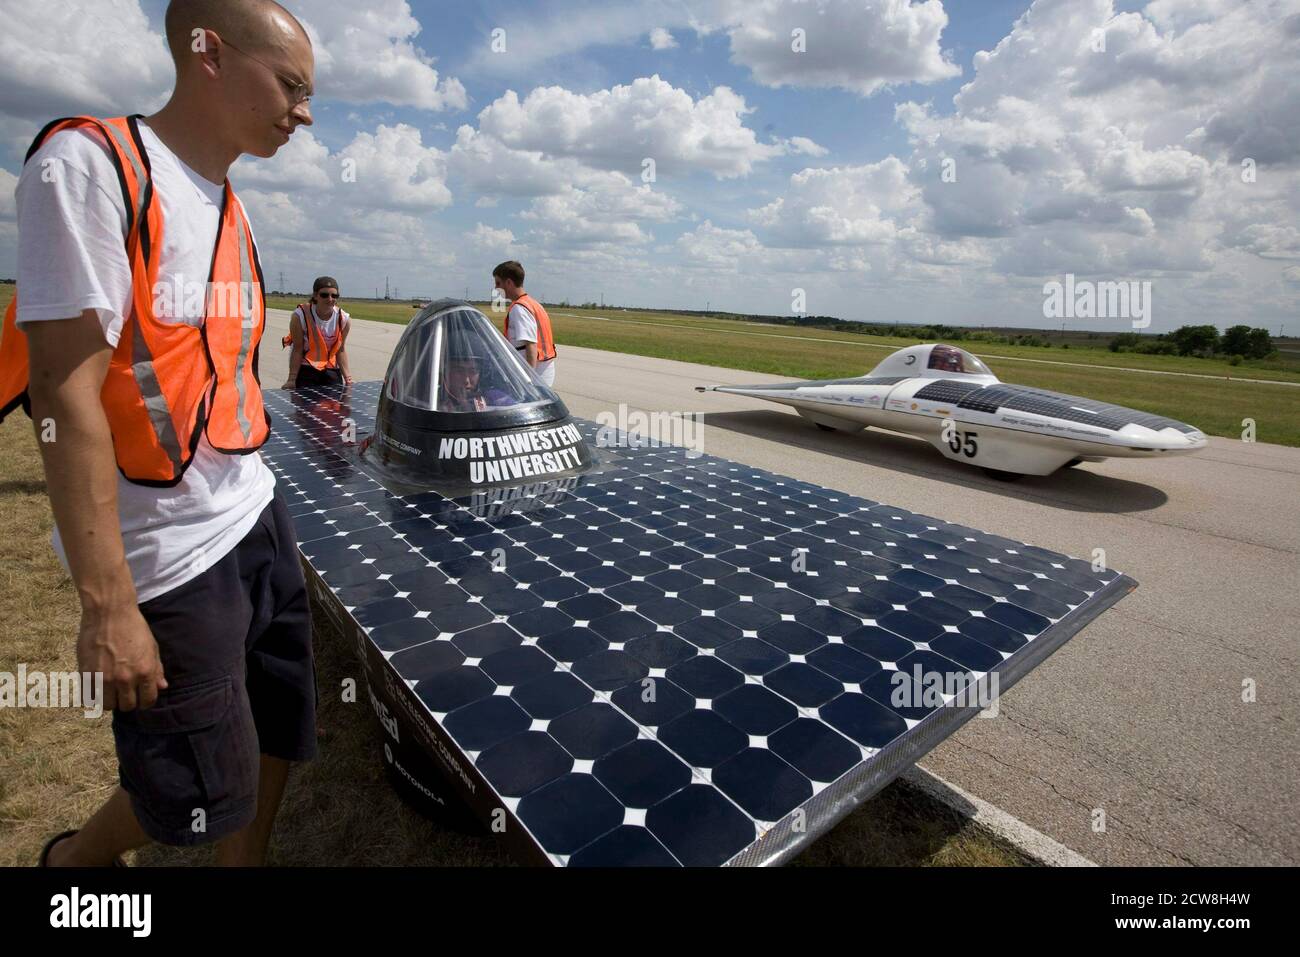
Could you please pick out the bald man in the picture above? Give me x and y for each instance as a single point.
(193, 605)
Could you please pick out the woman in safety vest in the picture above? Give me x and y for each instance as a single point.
(318, 332)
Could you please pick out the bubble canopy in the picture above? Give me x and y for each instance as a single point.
(934, 361)
(451, 359)
(458, 404)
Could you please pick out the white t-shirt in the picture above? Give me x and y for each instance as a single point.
(71, 257)
(329, 328)
(523, 328)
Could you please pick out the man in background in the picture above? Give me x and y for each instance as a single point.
(527, 327)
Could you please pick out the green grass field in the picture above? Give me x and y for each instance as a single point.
(1216, 405)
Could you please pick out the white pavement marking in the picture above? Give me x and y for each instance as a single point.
(1032, 843)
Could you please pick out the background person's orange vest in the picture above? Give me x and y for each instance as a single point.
(168, 382)
(545, 341)
(319, 355)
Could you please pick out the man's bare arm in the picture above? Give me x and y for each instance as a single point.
(530, 353)
(69, 362)
(343, 352)
(295, 354)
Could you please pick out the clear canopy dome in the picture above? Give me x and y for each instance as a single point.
(452, 359)
(951, 359)
(933, 361)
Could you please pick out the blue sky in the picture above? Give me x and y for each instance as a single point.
(776, 173)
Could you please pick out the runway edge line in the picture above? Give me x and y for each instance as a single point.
(1033, 843)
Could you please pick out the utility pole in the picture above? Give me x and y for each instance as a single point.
(282, 280)
(386, 287)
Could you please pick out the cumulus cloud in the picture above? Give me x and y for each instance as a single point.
(81, 56)
(801, 144)
(858, 45)
(852, 205)
(492, 168)
(365, 208)
(302, 163)
(367, 53)
(713, 247)
(618, 128)
(485, 237)
(661, 39)
(1080, 157)
(607, 216)
(394, 170)
(390, 168)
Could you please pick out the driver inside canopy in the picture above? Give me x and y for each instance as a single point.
(463, 388)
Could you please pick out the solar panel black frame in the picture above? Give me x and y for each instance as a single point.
(315, 466)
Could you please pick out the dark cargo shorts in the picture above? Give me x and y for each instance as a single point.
(236, 649)
(309, 375)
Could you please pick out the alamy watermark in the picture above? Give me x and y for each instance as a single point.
(176, 298)
(938, 689)
(53, 689)
(1085, 299)
(637, 429)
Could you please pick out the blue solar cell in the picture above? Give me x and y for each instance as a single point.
(486, 722)
(625, 846)
(755, 710)
(766, 787)
(592, 731)
(570, 812)
(703, 738)
(641, 773)
(700, 826)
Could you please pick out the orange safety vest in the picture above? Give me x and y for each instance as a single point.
(168, 383)
(545, 341)
(318, 354)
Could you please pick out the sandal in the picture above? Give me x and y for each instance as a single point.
(44, 860)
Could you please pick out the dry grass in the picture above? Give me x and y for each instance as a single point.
(56, 767)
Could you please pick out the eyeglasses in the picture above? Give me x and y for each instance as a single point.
(299, 92)
(327, 295)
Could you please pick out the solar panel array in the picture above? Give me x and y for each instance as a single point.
(671, 660)
(1019, 398)
(946, 390)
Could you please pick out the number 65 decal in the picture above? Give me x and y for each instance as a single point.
(963, 442)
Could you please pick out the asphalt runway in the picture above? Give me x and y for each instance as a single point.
(1138, 724)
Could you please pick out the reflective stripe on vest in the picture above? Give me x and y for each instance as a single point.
(318, 353)
(545, 341)
(167, 382)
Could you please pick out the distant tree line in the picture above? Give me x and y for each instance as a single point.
(1236, 342)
